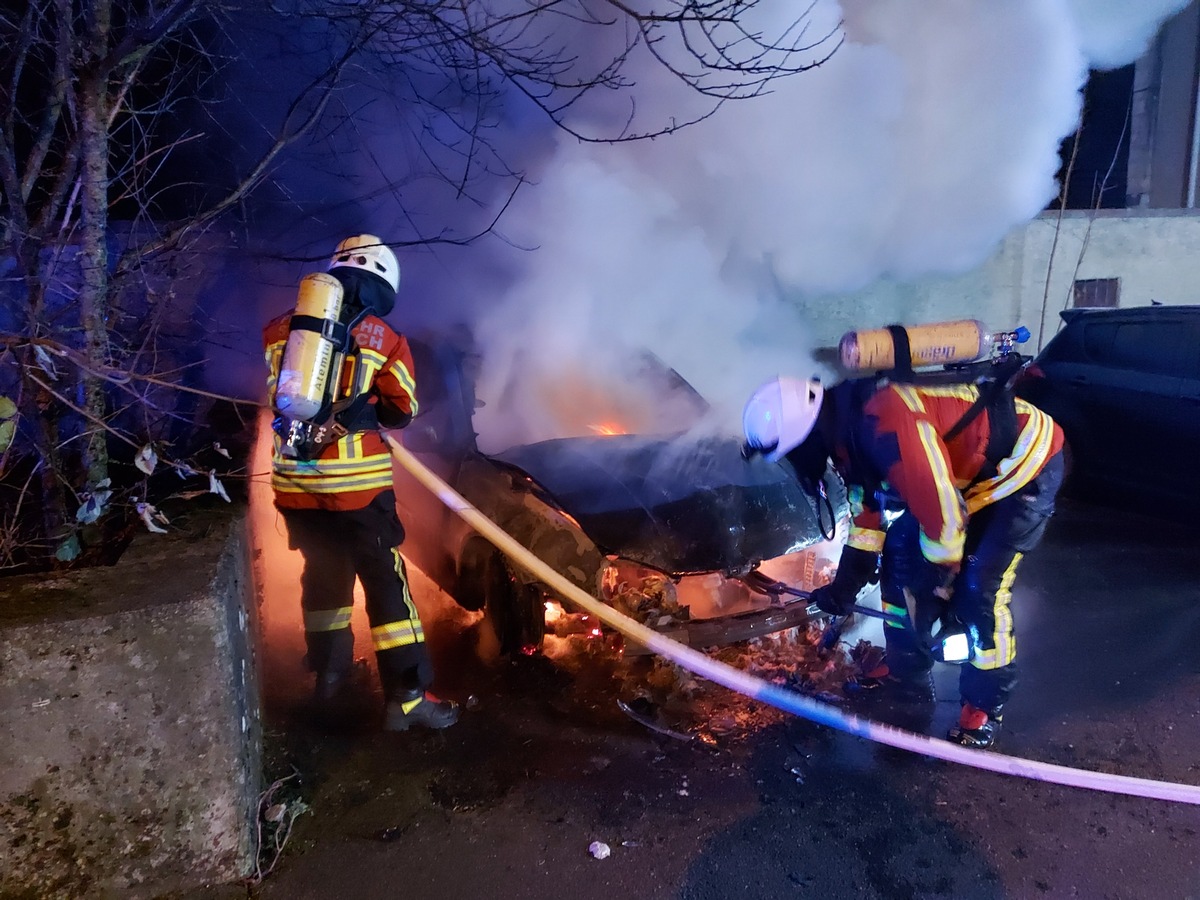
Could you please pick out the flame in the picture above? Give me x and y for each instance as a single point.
(608, 428)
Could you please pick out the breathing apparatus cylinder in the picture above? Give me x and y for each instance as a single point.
(936, 344)
(313, 345)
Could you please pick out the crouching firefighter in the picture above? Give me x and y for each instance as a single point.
(339, 373)
(972, 473)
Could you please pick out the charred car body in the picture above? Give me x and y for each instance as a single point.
(675, 530)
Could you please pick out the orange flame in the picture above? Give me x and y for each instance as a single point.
(608, 428)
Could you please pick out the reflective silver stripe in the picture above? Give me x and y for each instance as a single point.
(327, 619)
(318, 468)
(287, 485)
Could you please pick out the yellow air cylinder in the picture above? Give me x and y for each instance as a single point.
(936, 344)
(308, 355)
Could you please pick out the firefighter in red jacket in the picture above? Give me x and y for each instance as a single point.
(972, 472)
(337, 500)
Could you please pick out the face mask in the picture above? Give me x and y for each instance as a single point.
(365, 291)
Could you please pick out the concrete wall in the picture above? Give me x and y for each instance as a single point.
(1155, 254)
(129, 729)
(1162, 165)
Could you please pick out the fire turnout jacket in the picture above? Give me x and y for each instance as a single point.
(350, 472)
(939, 481)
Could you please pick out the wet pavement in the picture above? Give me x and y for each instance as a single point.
(507, 802)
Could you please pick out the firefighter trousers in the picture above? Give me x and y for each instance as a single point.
(998, 536)
(339, 546)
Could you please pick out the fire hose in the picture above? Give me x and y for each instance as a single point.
(787, 700)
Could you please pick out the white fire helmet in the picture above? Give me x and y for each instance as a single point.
(781, 414)
(368, 252)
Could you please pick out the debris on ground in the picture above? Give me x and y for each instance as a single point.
(668, 699)
(599, 850)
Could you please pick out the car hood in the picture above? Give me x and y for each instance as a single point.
(677, 504)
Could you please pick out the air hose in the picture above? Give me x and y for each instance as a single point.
(789, 701)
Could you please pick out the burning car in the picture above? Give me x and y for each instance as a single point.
(678, 531)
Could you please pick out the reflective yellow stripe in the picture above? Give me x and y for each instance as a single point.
(865, 539)
(350, 446)
(1017, 470)
(403, 632)
(349, 375)
(318, 468)
(854, 497)
(409, 705)
(891, 609)
(406, 594)
(398, 370)
(327, 619)
(1004, 639)
(274, 359)
(942, 552)
(372, 358)
(947, 546)
(407, 382)
(397, 634)
(910, 397)
(292, 485)
(967, 392)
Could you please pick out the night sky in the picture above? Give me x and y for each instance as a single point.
(1100, 175)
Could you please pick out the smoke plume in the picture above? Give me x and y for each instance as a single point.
(931, 132)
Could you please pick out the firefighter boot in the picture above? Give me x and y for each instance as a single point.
(976, 727)
(328, 687)
(882, 683)
(917, 687)
(905, 703)
(419, 708)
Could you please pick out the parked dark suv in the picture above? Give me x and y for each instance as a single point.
(1125, 386)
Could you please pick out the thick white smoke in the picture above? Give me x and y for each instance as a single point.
(931, 132)
(1113, 33)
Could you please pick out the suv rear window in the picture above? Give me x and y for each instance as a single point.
(1156, 348)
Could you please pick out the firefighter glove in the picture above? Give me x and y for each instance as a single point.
(855, 569)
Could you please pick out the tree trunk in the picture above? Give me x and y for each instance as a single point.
(93, 257)
(42, 410)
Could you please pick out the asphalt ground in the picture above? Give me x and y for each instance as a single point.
(507, 802)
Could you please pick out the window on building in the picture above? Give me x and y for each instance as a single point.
(1097, 292)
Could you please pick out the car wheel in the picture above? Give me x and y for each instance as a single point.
(476, 571)
(514, 613)
(517, 619)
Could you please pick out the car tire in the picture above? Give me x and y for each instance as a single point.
(476, 571)
(517, 619)
(514, 613)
